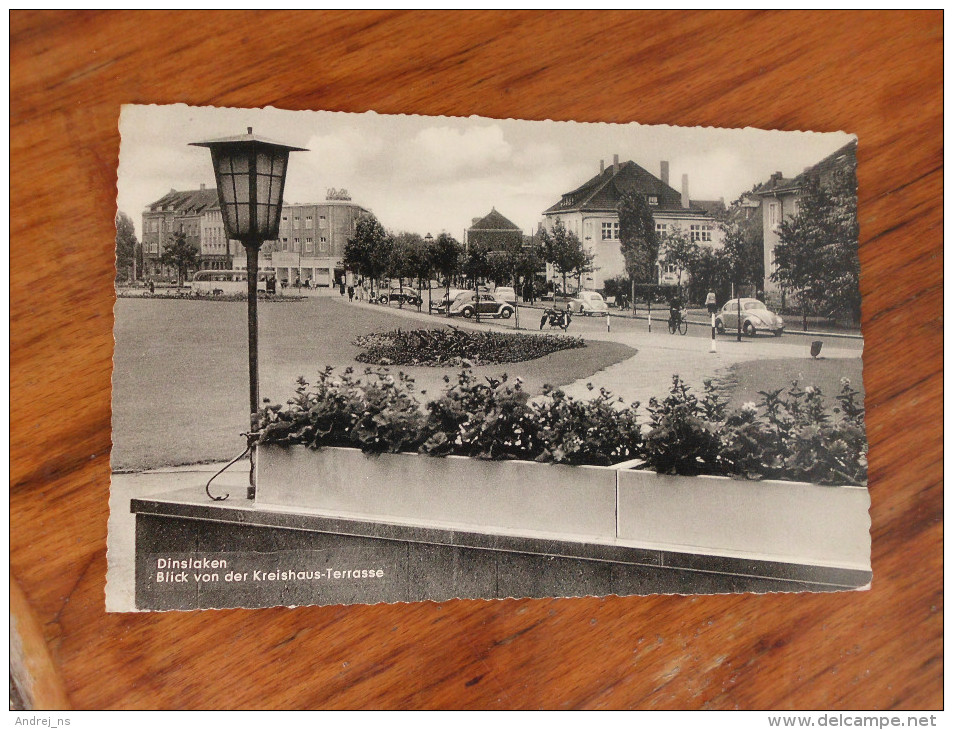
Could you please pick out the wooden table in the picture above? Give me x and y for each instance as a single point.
(873, 74)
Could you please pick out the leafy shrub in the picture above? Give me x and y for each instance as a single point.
(682, 440)
(447, 347)
(376, 415)
(587, 432)
(490, 420)
(790, 435)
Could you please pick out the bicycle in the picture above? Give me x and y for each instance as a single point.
(677, 322)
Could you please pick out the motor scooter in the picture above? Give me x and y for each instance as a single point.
(556, 318)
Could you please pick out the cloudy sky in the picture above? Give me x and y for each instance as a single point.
(433, 174)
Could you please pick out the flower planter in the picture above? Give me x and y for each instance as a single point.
(791, 522)
(783, 522)
(492, 496)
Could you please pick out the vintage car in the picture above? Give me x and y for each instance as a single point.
(398, 296)
(589, 303)
(755, 317)
(506, 293)
(467, 305)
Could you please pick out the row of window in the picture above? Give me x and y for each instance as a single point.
(308, 221)
(295, 245)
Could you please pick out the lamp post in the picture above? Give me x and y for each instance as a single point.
(250, 176)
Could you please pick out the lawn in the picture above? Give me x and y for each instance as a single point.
(746, 379)
(180, 369)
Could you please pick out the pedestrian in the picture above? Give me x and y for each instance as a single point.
(350, 293)
(152, 286)
(342, 287)
(710, 302)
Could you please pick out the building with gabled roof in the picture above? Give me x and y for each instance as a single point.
(495, 231)
(591, 211)
(191, 212)
(779, 199)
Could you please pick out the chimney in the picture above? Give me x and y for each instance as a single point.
(665, 171)
(685, 203)
(201, 186)
(602, 166)
(615, 164)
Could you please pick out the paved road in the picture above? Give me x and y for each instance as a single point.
(660, 354)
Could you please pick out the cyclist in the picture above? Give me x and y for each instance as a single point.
(674, 312)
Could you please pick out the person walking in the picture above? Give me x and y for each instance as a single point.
(350, 293)
(711, 302)
(342, 287)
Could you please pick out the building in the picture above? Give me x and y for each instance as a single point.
(495, 231)
(194, 213)
(311, 240)
(591, 211)
(309, 247)
(779, 199)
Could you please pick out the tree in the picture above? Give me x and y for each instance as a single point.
(637, 238)
(445, 256)
(586, 266)
(408, 257)
(527, 263)
(743, 250)
(127, 247)
(476, 266)
(817, 255)
(180, 255)
(368, 251)
(677, 249)
(563, 250)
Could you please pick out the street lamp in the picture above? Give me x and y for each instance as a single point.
(250, 176)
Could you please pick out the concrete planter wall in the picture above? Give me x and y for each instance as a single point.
(788, 522)
(495, 496)
(792, 522)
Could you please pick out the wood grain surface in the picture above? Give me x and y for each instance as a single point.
(874, 74)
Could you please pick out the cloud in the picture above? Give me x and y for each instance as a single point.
(444, 152)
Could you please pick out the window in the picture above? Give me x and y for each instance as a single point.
(660, 228)
(308, 222)
(323, 246)
(284, 218)
(297, 221)
(610, 230)
(309, 244)
(653, 200)
(706, 234)
(774, 214)
(322, 221)
(696, 232)
(284, 244)
(297, 244)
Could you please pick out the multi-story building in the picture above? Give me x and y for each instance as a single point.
(311, 240)
(591, 212)
(179, 211)
(779, 199)
(309, 247)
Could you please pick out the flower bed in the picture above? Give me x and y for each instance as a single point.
(790, 436)
(451, 346)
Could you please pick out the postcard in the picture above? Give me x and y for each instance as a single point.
(364, 358)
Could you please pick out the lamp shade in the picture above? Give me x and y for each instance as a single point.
(250, 176)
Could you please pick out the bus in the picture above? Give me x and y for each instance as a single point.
(228, 281)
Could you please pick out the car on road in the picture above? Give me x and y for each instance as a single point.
(755, 317)
(467, 305)
(401, 296)
(506, 293)
(446, 301)
(589, 303)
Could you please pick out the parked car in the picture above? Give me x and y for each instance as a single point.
(466, 305)
(398, 296)
(589, 303)
(506, 294)
(446, 300)
(755, 317)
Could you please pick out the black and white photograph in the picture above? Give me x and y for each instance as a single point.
(365, 358)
